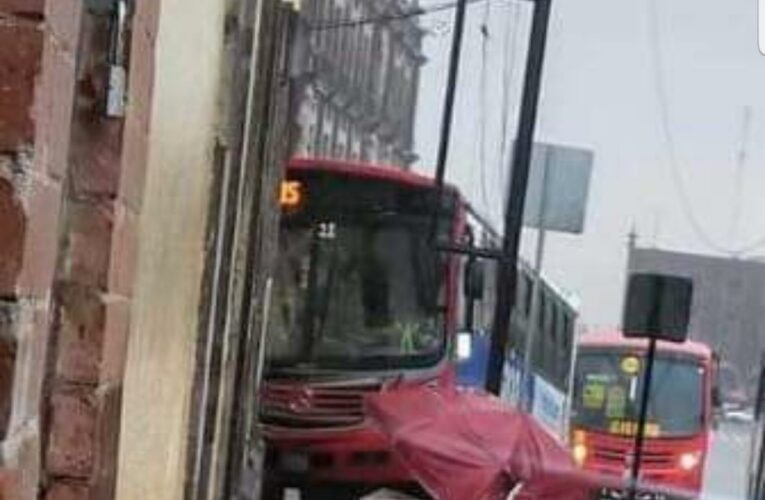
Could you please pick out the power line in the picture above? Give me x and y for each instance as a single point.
(663, 101)
(482, 105)
(669, 142)
(741, 160)
(387, 18)
(512, 31)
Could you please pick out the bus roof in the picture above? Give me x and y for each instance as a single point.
(369, 170)
(616, 339)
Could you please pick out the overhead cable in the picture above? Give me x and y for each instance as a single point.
(481, 115)
(670, 145)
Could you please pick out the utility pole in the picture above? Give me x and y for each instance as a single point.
(508, 270)
(448, 112)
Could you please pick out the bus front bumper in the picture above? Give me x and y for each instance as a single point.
(358, 456)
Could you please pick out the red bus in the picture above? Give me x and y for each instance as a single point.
(362, 300)
(608, 383)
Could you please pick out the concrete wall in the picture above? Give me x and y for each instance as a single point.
(728, 300)
(171, 234)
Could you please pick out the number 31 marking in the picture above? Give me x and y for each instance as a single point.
(327, 231)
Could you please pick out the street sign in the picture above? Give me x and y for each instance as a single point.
(657, 306)
(559, 181)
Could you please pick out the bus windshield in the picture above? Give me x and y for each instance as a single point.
(358, 284)
(608, 388)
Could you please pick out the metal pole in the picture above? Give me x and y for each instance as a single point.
(639, 437)
(570, 389)
(470, 302)
(533, 319)
(508, 269)
(536, 289)
(448, 111)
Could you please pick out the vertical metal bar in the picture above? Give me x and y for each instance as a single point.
(448, 111)
(536, 288)
(470, 300)
(533, 318)
(570, 380)
(264, 318)
(640, 435)
(508, 269)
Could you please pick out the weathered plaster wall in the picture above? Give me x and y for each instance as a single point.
(180, 136)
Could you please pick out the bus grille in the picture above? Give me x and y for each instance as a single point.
(619, 456)
(315, 406)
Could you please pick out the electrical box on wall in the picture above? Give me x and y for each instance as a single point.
(117, 83)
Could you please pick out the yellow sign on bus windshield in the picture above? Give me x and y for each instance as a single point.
(630, 365)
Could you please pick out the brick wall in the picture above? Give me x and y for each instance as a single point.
(94, 282)
(69, 202)
(37, 44)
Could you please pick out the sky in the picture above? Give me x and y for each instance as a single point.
(601, 90)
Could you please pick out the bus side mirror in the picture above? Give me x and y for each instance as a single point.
(658, 306)
(716, 392)
(716, 397)
(475, 279)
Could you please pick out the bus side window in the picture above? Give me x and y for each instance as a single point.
(542, 313)
(565, 332)
(527, 290)
(541, 336)
(554, 312)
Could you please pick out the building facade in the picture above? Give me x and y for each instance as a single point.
(356, 68)
(728, 300)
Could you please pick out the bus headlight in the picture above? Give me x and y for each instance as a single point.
(579, 452)
(689, 460)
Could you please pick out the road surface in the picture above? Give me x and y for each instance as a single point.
(725, 476)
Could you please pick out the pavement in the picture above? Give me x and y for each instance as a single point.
(725, 475)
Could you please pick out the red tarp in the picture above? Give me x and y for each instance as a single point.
(463, 445)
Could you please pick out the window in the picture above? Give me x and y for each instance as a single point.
(337, 34)
(324, 11)
(553, 330)
(309, 139)
(542, 313)
(566, 335)
(324, 144)
(369, 284)
(605, 395)
(527, 289)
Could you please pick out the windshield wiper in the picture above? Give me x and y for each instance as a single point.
(308, 340)
(327, 295)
